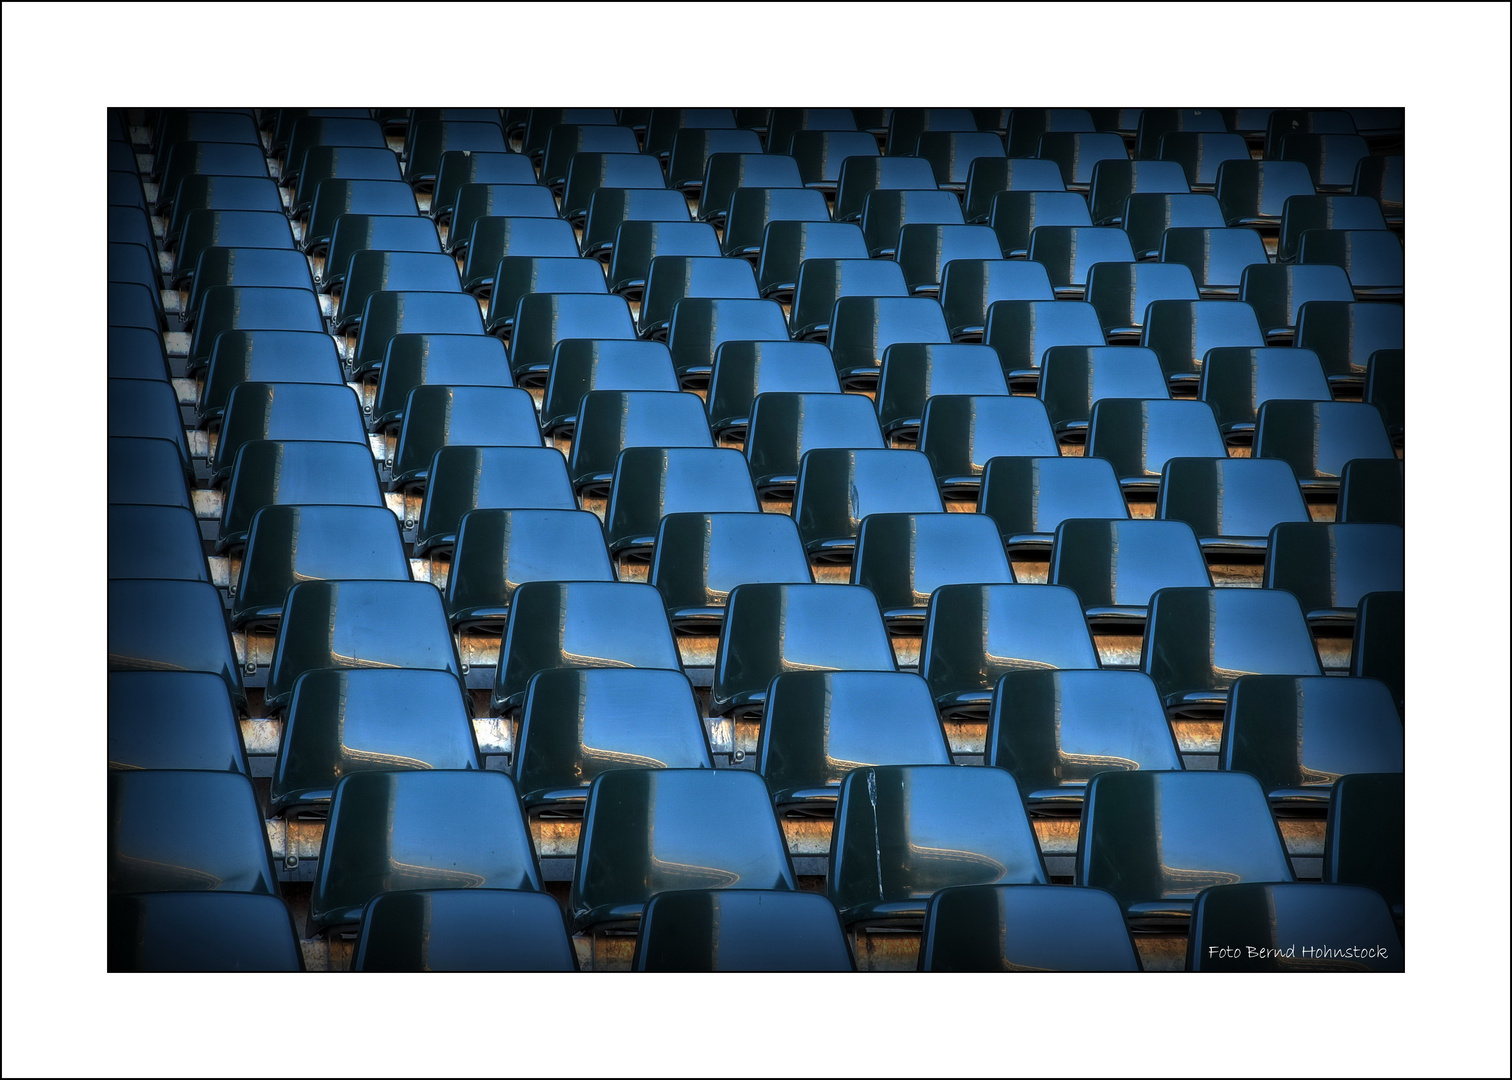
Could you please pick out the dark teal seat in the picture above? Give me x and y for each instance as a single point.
(267, 410)
(610, 421)
(1301, 926)
(1318, 438)
(1114, 566)
(1232, 504)
(172, 720)
(1138, 437)
(1237, 380)
(389, 313)
(904, 557)
(700, 557)
(740, 930)
(464, 478)
(1073, 378)
(1028, 497)
(154, 542)
(784, 426)
(699, 325)
(652, 481)
(200, 932)
(414, 360)
(579, 365)
(154, 625)
(959, 434)
(838, 488)
(463, 930)
(744, 369)
(442, 415)
(914, 372)
(1365, 840)
(497, 550)
(1025, 928)
(1015, 214)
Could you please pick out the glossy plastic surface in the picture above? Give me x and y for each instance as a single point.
(171, 720)
(1230, 502)
(1115, 566)
(200, 932)
(497, 550)
(543, 319)
(821, 282)
(912, 373)
(1318, 438)
(740, 930)
(784, 426)
(266, 410)
(1139, 437)
(1182, 331)
(1372, 490)
(699, 558)
(1025, 928)
(1073, 378)
(700, 325)
(610, 421)
(1365, 841)
(786, 245)
(904, 557)
(147, 472)
(1114, 181)
(361, 232)
(1021, 331)
(390, 313)
(751, 209)
(968, 287)
(270, 472)
(1292, 927)
(960, 434)
(1029, 496)
(677, 277)
(154, 542)
(494, 238)
(743, 369)
(156, 625)
(460, 929)
(886, 210)
(1236, 381)
(651, 482)
(464, 478)
(838, 488)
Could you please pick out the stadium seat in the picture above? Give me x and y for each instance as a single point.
(637, 242)
(153, 542)
(430, 139)
(786, 245)
(1028, 497)
(1157, 839)
(130, 225)
(148, 472)
(194, 158)
(464, 478)
(1365, 839)
(268, 267)
(1277, 292)
(566, 141)
(224, 228)
(785, 425)
(1329, 567)
(1116, 566)
(580, 624)
(588, 171)
(171, 720)
(1258, 928)
(821, 282)
(912, 373)
(885, 211)
(1014, 215)
(1344, 334)
(752, 209)
(819, 725)
(1198, 641)
(1121, 292)
(975, 634)
(609, 421)
(1217, 257)
(498, 549)
(609, 208)
(1115, 180)
(1331, 159)
(441, 415)
(171, 626)
(134, 304)
(459, 167)
(1326, 213)
(1386, 388)
(925, 250)
(282, 356)
(377, 232)
(1155, 124)
(235, 307)
(1298, 735)
(185, 831)
(1380, 178)
(356, 625)
(1250, 123)
(904, 832)
(518, 276)
(311, 131)
(693, 147)
(988, 176)
(1237, 381)
(1284, 122)
(1068, 253)
(859, 176)
(653, 481)
(862, 327)
(233, 126)
(1232, 504)
(904, 557)
(1371, 490)
(680, 277)
(1318, 438)
(1372, 259)
(135, 352)
(333, 198)
(1055, 730)
(959, 434)
(724, 174)
(771, 628)
(579, 365)
(340, 723)
(493, 238)
(414, 360)
(782, 123)
(463, 930)
(837, 488)
(1200, 153)
(425, 829)
(651, 831)
(332, 163)
(1025, 126)
(292, 543)
(1182, 331)
(1253, 194)
(700, 557)
(264, 410)
(146, 409)
(544, 319)
(968, 287)
(663, 125)
(1025, 928)
(1139, 437)
(534, 126)
(740, 930)
(201, 192)
(283, 121)
(1073, 378)
(905, 126)
(578, 723)
(1077, 154)
(477, 201)
(950, 154)
(200, 932)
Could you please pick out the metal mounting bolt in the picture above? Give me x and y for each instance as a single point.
(291, 862)
(737, 756)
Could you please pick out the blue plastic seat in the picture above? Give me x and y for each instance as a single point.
(431, 137)
(157, 625)
(862, 327)
(135, 352)
(1116, 566)
(414, 360)
(1254, 193)
(464, 478)
(1302, 214)
(988, 176)
(740, 930)
(1232, 504)
(441, 415)
(744, 369)
(700, 557)
(924, 251)
(1365, 839)
(1284, 122)
(838, 489)
(1182, 331)
(1345, 334)
(724, 173)
(579, 365)
(264, 410)
(1318, 438)
(323, 163)
(1155, 124)
(1302, 926)
(274, 267)
(460, 167)
(968, 287)
(912, 373)
(752, 209)
(1331, 158)
(1139, 437)
(358, 624)
(590, 170)
(185, 831)
(1025, 928)
(234, 307)
(860, 176)
(1157, 839)
(463, 930)
(494, 238)
(904, 832)
(1277, 293)
(1115, 181)
(1025, 126)
(391, 832)
(782, 123)
(1077, 153)
(905, 126)
(784, 426)
(638, 241)
(904, 557)
(192, 157)
(959, 434)
(609, 208)
(148, 472)
(821, 282)
(1028, 497)
(172, 720)
(341, 723)
(1022, 330)
(673, 278)
(651, 831)
(1073, 378)
(293, 543)
(787, 245)
(663, 125)
(519, 276)
(478, 201)
(1372, 490)
(200, 931)
(610, 421)
(283, 356)
(146, 409)
(822, 154)
(1372, 259)
(334, 198)
(1329, 567)
(311, 131)
(544, 319)
(771, 628)
(692, 147)
(653, 481)
(154, 542)
(1200, 153)
(885, 211)
(975, 634)
(951, 153)
(373, 232)
(1217, 257)
(225, 228)
(1386, 388)
(497, 550)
